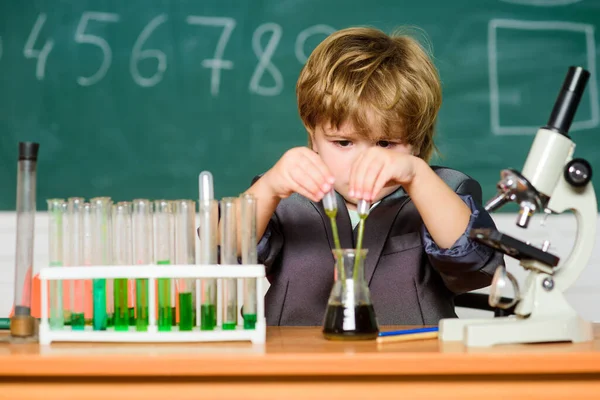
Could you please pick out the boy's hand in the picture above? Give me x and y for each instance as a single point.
(302, 171)
(377, 168)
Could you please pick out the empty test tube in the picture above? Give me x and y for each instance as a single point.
(163, 253)
(76, 287)
(142, 255)
(248, 239)
(56, 212)
(229, 257)
(209, 216)
(185, 213)
(101, 255)
(122, 256)
(21, 323)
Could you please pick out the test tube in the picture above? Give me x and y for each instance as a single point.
(163, 255)
(122, 256)
(101, 255)
(76, 287)
(21, 323)
(142, 255)
(248, 221)
(88, 227)
(184, 211)
(229, 257)
(66, 262)
(55, 246)
(209, 220)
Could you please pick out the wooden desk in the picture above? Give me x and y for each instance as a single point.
(299, 363)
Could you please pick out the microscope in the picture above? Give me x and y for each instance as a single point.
(551, 181)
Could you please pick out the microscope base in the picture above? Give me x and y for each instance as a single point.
(506, 330)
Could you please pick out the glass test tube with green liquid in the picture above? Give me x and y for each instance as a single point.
(248, 242)
(163, 253)
(56, 210)
(229, 257)
(131, 301)
(66, 231)
(184, 211)
(76, 287)
(142, 255)
(122, 256)
(88, 246)
(208, 231)
(101, 255)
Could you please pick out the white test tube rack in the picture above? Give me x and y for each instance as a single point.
(152, 273)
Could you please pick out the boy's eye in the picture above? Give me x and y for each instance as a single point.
(385, 144)
(343, 143)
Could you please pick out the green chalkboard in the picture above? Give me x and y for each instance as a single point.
(134, 98)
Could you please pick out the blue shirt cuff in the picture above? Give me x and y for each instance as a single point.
(463, 246)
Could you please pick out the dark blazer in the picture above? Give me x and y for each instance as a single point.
(408, 284)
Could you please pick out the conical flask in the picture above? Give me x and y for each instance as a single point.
(350, 314)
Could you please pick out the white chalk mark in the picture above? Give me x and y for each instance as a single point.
(586, 29)
(305, 34)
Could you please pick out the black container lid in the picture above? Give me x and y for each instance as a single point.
(28, 150)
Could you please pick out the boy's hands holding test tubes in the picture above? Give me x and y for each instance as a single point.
(301, 170)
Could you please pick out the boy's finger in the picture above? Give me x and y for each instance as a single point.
(321, 167)
(353, 170)
(317, 173)
(363, 169)
(306, 182)
(301, 190)
(380, 182)
(372, 172)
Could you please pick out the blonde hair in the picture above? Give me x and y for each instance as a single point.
(357, 72)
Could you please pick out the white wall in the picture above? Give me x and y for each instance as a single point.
(584, 295)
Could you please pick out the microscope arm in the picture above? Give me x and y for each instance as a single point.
(582, 201)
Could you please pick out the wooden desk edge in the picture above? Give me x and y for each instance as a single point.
(299, 364)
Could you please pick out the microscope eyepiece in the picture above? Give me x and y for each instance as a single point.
(568, 100)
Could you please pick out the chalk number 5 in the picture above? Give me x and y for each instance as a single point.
(88, 38)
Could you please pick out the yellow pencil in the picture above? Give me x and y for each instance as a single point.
(406, 338)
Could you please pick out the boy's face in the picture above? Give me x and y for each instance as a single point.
(338, 148)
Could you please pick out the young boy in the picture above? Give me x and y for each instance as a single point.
(369, 103)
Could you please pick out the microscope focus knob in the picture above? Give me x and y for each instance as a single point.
(578, 172)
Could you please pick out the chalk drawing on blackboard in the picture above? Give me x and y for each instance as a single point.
(264, 56)
(305, 34)
(587, 30)
(542, 3)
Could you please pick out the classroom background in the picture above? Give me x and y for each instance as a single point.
(133, 99)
